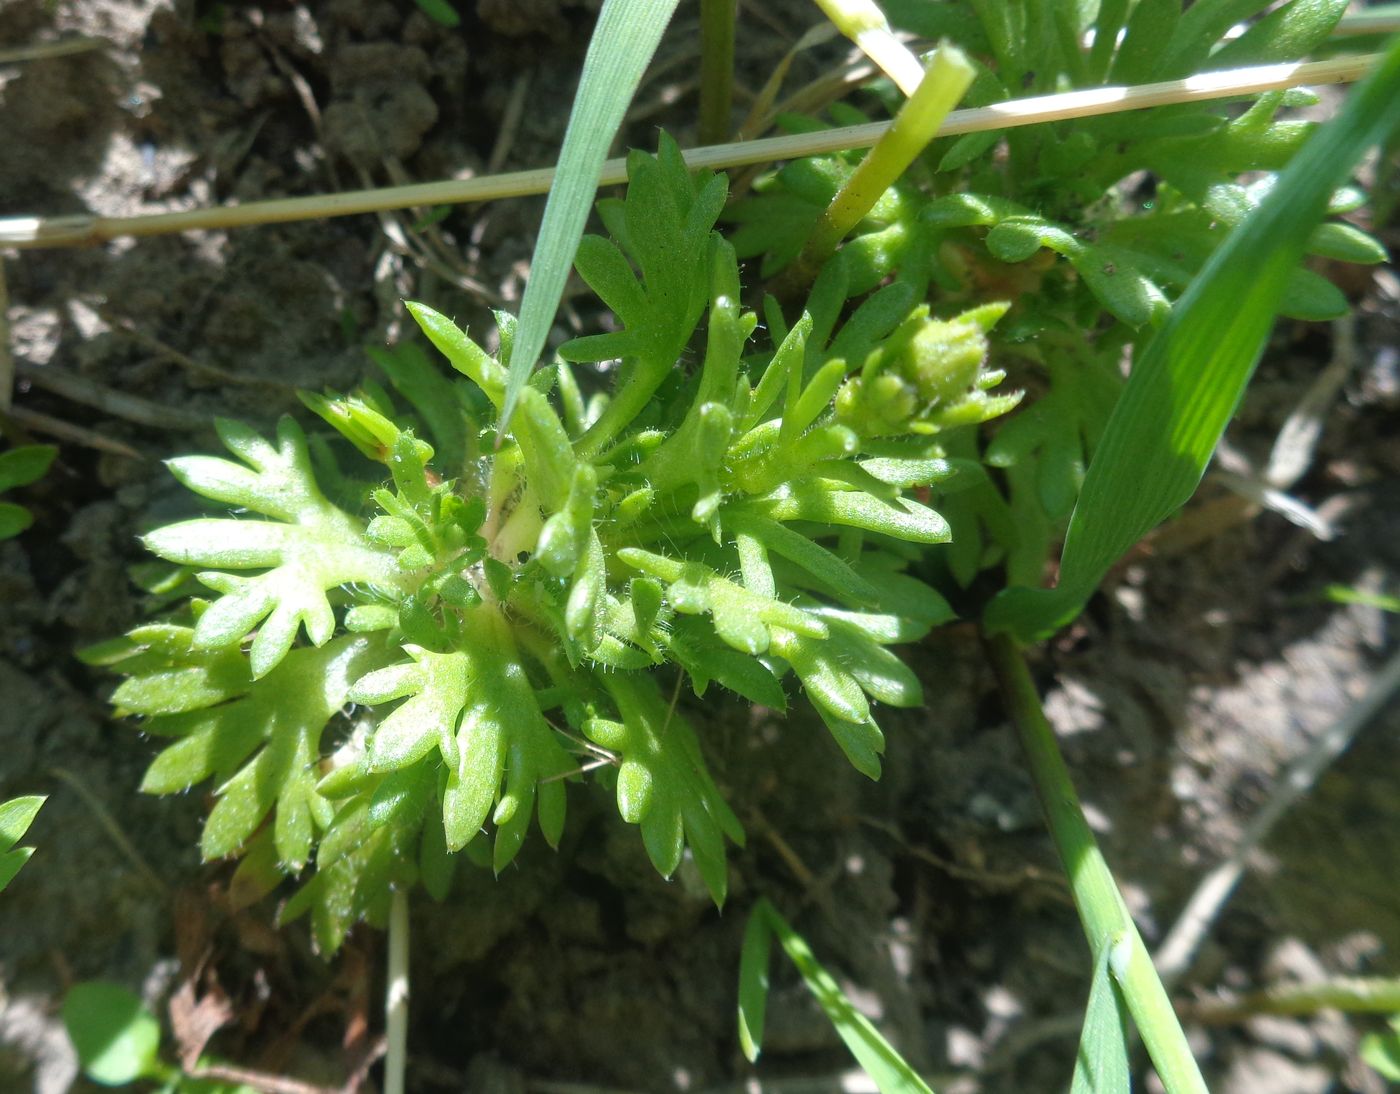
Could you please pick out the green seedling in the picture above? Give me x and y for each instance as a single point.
(1346, 594)
(1090, 229)
(440, 12)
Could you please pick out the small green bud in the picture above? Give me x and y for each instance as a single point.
(564, 534)
(498, 577)
(363, 618)
(646, 602)
(605, 733)
(891, 399)
(558, 547)
(848, 401)
(943, 359)
(886, 403)
(630, 508)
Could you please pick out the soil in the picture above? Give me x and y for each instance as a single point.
(934, 895)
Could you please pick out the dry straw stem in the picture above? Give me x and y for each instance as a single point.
(26, 232)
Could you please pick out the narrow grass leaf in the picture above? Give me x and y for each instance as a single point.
(1186, 385)
(10, 863)
(890, 1071)
(1102, 1064)
(623, 42)
(753, 981)
(15, 818)
(440, 12)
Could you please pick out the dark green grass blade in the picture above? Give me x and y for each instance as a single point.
(1186, 385)
(623, 42)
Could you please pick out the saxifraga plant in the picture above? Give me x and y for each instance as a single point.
(1088, 228)
(494, 615)
(514, 588)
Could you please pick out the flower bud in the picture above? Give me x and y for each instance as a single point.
(848, 401)
(892, 399)
(943, 359)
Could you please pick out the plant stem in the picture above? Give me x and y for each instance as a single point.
(630, 397)
(716, 68)
(70, 231)
(864, 23)
(7, 362)
(1101, 909)
(948, 76)
(64, 47)
(113, 829)
(396, 995)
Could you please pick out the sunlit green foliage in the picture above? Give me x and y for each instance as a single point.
(495, 619)
(1090, 229)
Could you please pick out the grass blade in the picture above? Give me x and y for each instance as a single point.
(753, 982)
(1108, 927)
(716, 68)
(890, 1071)
(1102, 1064)
(1186, 385)
(623, 42)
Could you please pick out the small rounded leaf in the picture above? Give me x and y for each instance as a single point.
(634, 791)
(117, 1039)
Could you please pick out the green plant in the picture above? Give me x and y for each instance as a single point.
(20, 467)
(516, 596)
(543, 558)
(1150, 454)
(881, 1061)
(1382, 1051)
(1089, 228)
(1347, 994)
(16, 815)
